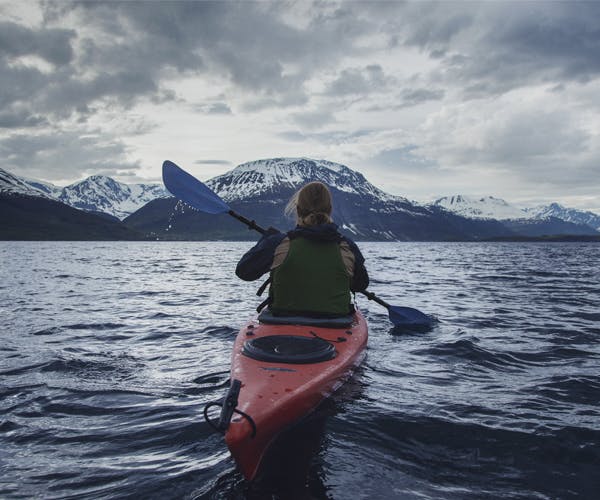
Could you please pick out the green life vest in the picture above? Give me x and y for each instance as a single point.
(311, 279)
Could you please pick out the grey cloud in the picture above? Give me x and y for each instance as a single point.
(119, 72)
(566, 38)
(214, 108)
(181, 34)
(428, 30)
(313, 119)
(212, 162)
(295, 97)
(59, 155)
(492, 48)
(534, 136)
(437, 53)
(359, 81)
(293, 135)
(531, 146)
(19, 118)
(402, 158)
(482, 48)
(139, 51)
(19, 83)
(124, 86)
(62, 93)
(141, 44)
(53, 45)
(325, 137)
(410, 97)
(248, 42)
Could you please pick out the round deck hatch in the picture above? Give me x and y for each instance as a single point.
(289, 349)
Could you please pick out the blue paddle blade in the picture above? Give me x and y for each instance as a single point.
(409, 317)
(191, 191)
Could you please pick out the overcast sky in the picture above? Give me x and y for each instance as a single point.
(425, 99)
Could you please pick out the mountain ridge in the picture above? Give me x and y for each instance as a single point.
(489, 207)
(261, 189)
(484, 207)
(567, 214)
(99, 193)
(27, 217)
(259, 176)
(96, 193)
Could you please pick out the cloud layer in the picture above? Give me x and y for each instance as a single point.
(425, 98)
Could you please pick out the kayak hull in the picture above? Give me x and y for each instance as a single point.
(277, 395)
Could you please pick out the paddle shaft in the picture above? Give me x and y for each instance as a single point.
(250, 223)
(373, 297)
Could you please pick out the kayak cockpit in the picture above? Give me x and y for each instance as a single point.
(268, 318)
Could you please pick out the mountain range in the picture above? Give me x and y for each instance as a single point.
(260, 190)
(97, 193)
(29, 210)
(494, 208)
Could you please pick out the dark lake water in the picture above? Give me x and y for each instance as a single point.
(109, 352)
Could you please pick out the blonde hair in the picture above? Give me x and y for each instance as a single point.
(311, 205)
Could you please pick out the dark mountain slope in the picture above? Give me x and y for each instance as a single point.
(25, 217)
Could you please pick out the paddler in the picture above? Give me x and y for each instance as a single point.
(313, 268)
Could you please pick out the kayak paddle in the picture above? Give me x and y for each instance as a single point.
(198, 195)
(402, 316)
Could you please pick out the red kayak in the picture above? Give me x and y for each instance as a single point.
(280, 373)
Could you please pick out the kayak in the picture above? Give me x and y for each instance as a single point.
(285, 371)
(281, 369)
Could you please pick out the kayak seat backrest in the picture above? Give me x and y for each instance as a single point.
(289, 349)
(268, 318)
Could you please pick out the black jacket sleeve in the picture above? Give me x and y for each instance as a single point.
(257, 261)
(360, 280)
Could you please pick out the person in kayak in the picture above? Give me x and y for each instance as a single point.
(313, 268)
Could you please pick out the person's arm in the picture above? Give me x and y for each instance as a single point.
(257, 261)
(360, 278)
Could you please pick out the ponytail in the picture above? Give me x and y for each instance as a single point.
(311, 205)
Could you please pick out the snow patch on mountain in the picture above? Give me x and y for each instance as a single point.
(486, 207)
(44, 187)
(262, 177)
(11, 184)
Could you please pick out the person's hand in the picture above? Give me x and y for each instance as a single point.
(271, 230)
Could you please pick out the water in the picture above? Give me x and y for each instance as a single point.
(110, 351)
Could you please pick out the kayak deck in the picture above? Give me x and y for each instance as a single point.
(275, 395)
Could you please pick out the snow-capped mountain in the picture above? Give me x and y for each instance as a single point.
(11, 184)
(99, 193)
(567, 214)
(261, 189)
(486, 207)
(553, 215)
(44, 187)
(262, 177)
(28, 211)
(359, 206)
